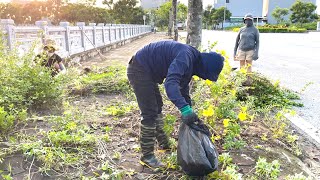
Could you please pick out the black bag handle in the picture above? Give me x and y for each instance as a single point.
(200, 126)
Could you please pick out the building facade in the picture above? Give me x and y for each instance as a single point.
(151, 4)
(260, 9)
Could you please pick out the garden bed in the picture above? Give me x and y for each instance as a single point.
(94, 134)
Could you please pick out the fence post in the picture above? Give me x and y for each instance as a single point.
(82, 25)
(44, 26)
(318, 26)
(120, 35)
(67, 36)
(8, 25)
(94, 32)
(102, 25)
(109, 32)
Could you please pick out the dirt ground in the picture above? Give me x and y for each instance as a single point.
(125, 133)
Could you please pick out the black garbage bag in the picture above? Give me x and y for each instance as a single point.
(196, 153)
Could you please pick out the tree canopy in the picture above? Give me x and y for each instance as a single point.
(303, 12)
(161, 15)
(279, 13)
(122, 11)
(213, 17)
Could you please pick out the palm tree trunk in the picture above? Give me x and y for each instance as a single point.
(194, 26)
(175, 27)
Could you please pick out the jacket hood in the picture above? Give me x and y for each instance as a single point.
(210, 66)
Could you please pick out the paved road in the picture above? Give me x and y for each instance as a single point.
(294, 59)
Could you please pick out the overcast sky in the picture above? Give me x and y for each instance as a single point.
(205, 2)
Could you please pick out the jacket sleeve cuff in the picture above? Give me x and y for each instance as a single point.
(186, 110)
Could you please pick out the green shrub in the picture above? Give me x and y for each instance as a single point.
(277, 29)
(7, 118)
(233, 27)
(24, 83)
(309, 26)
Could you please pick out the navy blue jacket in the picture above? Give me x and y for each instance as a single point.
(177, 63)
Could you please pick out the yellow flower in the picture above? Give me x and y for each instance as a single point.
(276, 84)
(226, 122)
(233, 92)
(196, 78)
(208, 112)
(264, 137)
(244, 109)
(215, 138)
(242, 116)
(208, 82)
(71, 125)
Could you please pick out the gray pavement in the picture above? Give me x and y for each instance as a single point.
(294, 59)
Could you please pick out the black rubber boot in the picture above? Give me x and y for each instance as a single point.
(147, 141)
(151, 162)
(162, 138)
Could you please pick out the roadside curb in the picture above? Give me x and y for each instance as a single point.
(305, 128)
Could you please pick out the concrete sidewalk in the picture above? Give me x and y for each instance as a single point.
(122, 55)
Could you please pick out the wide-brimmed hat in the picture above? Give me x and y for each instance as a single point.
(248, 16)
(50, 43)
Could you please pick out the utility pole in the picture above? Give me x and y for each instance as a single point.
(224, 13)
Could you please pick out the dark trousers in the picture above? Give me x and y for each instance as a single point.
(146, 91)
(150, 104)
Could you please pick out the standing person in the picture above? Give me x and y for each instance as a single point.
(176, 63)
(247, 44)
(49, 58)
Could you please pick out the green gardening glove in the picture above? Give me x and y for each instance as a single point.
(188, 116)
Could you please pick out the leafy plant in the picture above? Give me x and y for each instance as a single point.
(232, 135)
(297, 177)
(267, 171)
(106, 81)
(225, 159)
(120, 109)
(169, 121)
(265, 94)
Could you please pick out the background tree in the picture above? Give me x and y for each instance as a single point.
(279, 13)
(194, 26)
(174, 11)
(54, 11)
(303, 12)
(207, 16)
(218, 16)
(83, 13)
(161, 15)
(125, 11)
(182, 13)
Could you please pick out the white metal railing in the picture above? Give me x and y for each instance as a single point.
(70, 39)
